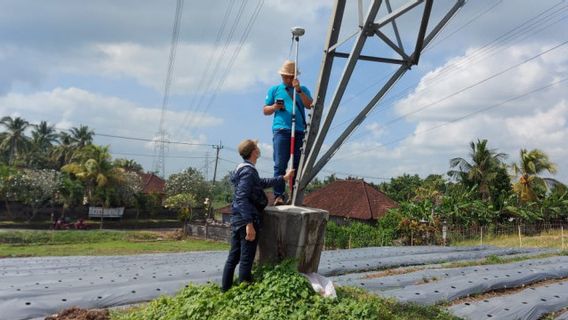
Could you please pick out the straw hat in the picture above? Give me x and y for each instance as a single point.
(287, 68)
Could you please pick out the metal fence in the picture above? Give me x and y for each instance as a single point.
(555, 234)
(512, 235)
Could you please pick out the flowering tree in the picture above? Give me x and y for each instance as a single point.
(189, 181)
(130, 189)
(35, 188)
(7, 174)
(183, 204)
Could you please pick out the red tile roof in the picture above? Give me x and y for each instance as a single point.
(354, 199)
(152, 183)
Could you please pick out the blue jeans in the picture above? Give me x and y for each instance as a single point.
(281, 143)
(242, 252)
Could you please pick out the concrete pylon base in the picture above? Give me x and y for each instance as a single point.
(292, 232)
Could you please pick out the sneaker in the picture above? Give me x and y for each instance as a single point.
(278, 201)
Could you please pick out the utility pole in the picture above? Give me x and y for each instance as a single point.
(217, 147)
(206, 166)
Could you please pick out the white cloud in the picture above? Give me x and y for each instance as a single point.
(375, 129)
(68, 107)
(536, 121)
(429, 99)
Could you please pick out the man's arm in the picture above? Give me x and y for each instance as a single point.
(306, 100)
(303, 94)
(270, 109)
(271, 182)
(270, 105)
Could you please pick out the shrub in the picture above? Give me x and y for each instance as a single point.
(357, 235)
(278, 293)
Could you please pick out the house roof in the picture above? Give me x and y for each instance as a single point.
(353, 199)
(152, 183)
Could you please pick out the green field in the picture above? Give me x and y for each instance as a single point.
(96, 242)
(549, 239)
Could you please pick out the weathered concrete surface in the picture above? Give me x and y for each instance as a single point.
(292, 232)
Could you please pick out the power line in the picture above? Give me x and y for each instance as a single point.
(485, 51)
(479, 15)
(233, 58)
(520, 30)
(208, 82)
(151, 155)
(473, 85)
(159, 162)
(205, 73)
(235, 162)
(244, 36)
(152, 140)
(458, 119)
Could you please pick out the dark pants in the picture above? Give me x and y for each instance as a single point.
(242, 253)
(281, 143)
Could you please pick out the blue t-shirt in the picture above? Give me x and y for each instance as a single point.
(283, 118)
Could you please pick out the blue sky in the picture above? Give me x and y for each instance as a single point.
(103, 64)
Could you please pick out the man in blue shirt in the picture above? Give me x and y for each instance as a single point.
(279, 102)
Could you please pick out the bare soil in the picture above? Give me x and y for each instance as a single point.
(75, 313)
(391, 272)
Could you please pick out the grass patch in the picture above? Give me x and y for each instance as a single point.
(493, 259)
(74, 236)
(278, 293)
(96, 242)
(546, 239)
(94, 224)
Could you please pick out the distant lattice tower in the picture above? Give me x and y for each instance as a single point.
(161, 146)
(162, 138)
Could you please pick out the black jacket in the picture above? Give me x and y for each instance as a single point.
(249, 187)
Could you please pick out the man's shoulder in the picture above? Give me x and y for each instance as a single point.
(274, 87)
(245, 168)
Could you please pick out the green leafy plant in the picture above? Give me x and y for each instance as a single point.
(279, 292)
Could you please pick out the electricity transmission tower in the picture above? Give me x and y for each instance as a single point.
(372, 26)
(161, 143)
(206, 166)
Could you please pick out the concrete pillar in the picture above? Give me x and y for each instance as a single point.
(292, 232)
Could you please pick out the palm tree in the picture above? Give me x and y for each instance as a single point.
(129, 165)
(62, 153)
(13, 140)
(43, 138)
(481, 171)
(81, 136)
(531, 164)
(93, 166)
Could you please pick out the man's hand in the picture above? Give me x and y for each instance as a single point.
(251, 233)
(278, 106)
(289, 173)
(296, 85)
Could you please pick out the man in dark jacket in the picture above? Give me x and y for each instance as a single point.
(248, 202)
